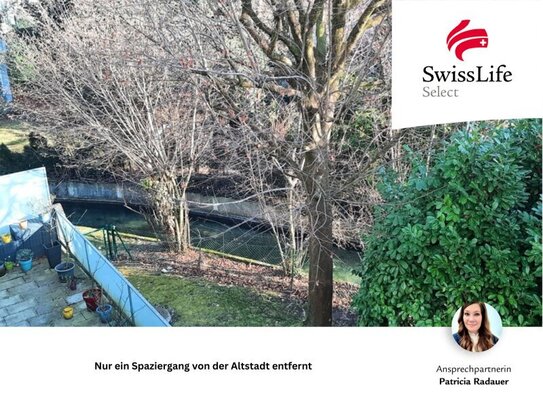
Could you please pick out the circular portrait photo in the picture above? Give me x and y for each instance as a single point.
(476, 327)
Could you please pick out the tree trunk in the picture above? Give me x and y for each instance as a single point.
(170, 212)
(320, 242)
(316, 183)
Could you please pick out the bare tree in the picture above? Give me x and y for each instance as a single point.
(106, 103)
(285, 75)
(296, 52)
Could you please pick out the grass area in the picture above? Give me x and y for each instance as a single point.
(94, 236)
(344, 274)
(13, 135)
(198, 302)
(342, 270)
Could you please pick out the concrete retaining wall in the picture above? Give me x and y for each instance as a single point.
(133, 195)
(97, 192)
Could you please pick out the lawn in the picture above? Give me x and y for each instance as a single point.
(197, 302)
(223, 292)
(343, 262)
(14, 135)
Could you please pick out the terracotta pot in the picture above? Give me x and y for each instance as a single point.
(92, 298)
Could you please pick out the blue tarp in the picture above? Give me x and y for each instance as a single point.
(4, 78)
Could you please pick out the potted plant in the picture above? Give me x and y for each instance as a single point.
(65, 271)
(53, 249)
(24, 258)
(104, 312)
(6, 238)
(92, 298)
(68, 312)
(8, 264)
(53, 253)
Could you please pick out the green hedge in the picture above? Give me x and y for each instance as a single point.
(469, 229)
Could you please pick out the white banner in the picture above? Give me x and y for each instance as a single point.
(471, 60)
(265, 367)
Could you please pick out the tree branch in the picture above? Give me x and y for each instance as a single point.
(366, 20)
(247, 10)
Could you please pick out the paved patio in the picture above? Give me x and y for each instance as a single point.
(37, 298)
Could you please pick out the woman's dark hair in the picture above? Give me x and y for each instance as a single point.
(486, 339)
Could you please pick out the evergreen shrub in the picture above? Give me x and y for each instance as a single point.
(466, 229)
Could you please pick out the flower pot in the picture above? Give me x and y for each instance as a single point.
(53, 253)
(92, 298)
(68, 312)
(104, 312)
(3, 270)
(25, 265)
(65, 271)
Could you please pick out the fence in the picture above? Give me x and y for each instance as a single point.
(129, 300)
(253, 243)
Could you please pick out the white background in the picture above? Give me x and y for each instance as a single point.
(352, 366)
(419, 33)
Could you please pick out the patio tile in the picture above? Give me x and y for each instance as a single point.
(37, 298)
(46, 308)
(10, 300)
(14, 281)
(11, 275)
(21, 306)
(43, 319)
(16, 319)
(45, 280)
(23, 288)
(21, 323)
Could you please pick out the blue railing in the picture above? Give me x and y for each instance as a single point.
(129, 300)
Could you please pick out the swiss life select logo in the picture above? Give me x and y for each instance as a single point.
(459, 40)
(466, 39)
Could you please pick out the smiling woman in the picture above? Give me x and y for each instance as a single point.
(474, 332)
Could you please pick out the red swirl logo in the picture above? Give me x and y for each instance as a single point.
(468, 39)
